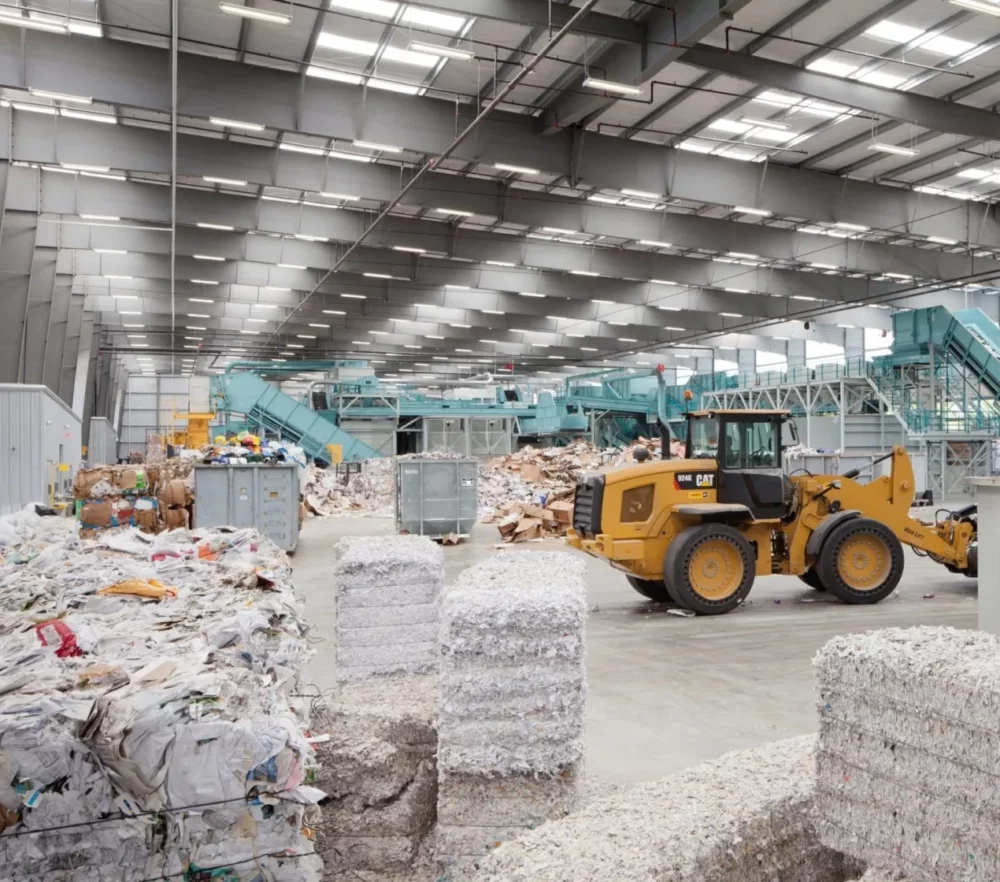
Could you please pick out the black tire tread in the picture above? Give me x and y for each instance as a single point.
(651, 589)
(826, 565)
(811, 578)
(675, 565)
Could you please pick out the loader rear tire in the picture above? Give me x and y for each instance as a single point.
(811, 578)
(861, 561)
(651, 589)
(709, 569)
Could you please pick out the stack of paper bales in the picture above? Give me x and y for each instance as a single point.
(908, 753)
(388, 591)
(511, 701)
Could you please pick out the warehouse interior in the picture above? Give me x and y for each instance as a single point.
(427, 385)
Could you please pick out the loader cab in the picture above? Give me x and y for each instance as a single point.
(746, 445)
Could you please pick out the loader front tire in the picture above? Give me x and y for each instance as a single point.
(709, 569)
(811, 578)
(651, 589)
(861, 561)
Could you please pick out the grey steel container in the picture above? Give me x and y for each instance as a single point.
(435, 497)
(102, 443)
(257, 495)
(39, 446)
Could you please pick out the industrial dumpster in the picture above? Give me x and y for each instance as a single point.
(257, 495)
(435, 497)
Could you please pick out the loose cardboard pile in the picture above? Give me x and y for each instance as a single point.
(153, 498)
(524, 521)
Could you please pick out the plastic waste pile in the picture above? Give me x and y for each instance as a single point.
(27, 531)
(151, 724)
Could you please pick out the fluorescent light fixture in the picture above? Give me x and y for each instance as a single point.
(250, 333)
(941, 240)
(125, 296)
(279, 18)
(902, 276)
(358, 343)
(198, 315)
(108, 251)
(515, 169)
(133, 326)
(641, 194)
(373, 276)
(100, 217)
(433, 336)
(371, 145)
(61, 96)
(611, 86)
(894, 149)
(257, 321)
(205, 226)
(353, 296)
(194, 338)
(731, 126)
(12, 17)
(129, 312)
(204, 282)
(607, 200)
(456, 211)
(291, 266)
(442, 51)
(275, 288)
(235, 124)
(492, 311)
(459, 287)
(139, 345)
(560, 230)
(412, 346)
(341, 196)
(89, 117)
(627, 340)
(765, 123)
(742, 254)
(857, 227)
(33, 108)
(583, 273)
(334, 312)
(732, 314)
(760, 212)
(306, 336)
(306, 238)
(208, 179)
(301, 148)
(737, 290)
(194, 328)
(530, 294)
(500, 263)
(588, 349)
(317, 325)
(828, 266)
(978, 6)
(834, 68)
(205, 257)
(199, 300)
(409, 249)
(661, 282)
(119, 278)
(652, 243)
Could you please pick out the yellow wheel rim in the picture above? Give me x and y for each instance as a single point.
(715, 570)
(864, 562)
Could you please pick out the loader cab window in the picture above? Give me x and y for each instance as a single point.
(703, 438)
(750, 444)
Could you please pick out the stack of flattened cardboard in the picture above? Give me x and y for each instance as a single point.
(153, 498)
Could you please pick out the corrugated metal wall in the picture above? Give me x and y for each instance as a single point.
(149, 408)
(38, 432)
(102, 447)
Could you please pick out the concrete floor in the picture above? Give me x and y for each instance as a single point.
(669, 692)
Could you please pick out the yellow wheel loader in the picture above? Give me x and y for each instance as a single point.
(697, 531)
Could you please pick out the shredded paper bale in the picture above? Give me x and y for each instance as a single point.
(388, 589)
(909, 751)
(511, 701)
(149, 718)
(377, 765)
(746, 817)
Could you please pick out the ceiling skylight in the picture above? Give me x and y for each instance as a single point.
(834, 68)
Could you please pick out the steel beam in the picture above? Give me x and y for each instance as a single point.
(281, 100)
(38, 316)
(17, 247)
(667, 31)
(922, 110)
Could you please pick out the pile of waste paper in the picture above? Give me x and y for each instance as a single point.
(152, 723)
(27, 531)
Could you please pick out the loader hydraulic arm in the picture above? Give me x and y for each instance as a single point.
(887, 499)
